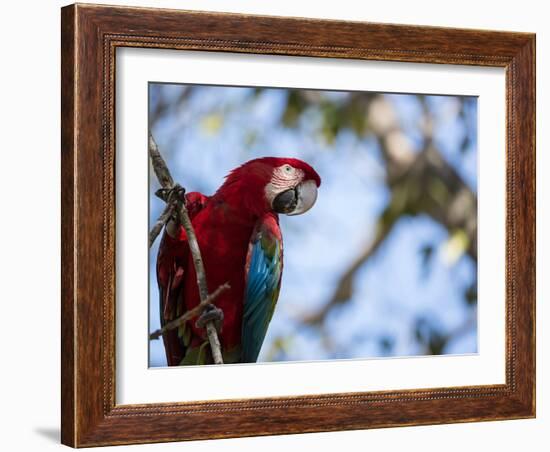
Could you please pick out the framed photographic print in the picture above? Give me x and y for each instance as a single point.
(282, 225)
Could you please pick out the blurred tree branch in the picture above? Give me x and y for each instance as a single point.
(162, 105)
(344, 288)
(419, 183)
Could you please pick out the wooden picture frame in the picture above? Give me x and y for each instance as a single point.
(90, 36)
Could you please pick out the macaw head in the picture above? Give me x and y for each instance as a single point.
(281, 185)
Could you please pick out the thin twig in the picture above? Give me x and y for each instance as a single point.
(197, 310)
(160, 223)
(176, 198)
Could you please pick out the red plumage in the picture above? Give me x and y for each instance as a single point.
(224, 224)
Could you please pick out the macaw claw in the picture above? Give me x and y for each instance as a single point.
(167, 194)
(210, 314)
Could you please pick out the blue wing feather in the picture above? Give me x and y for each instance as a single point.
(265, 265)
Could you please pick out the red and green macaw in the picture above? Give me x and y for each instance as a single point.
(241, 243)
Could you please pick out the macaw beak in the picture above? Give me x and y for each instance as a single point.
(297, 200)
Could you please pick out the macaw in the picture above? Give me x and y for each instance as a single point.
(238, 233)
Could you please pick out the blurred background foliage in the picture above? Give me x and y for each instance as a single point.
(385, 264)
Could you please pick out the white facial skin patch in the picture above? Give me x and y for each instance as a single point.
(284, 178)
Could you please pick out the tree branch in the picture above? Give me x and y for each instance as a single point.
(159, 165)
(196, 311)
(159, 224)
(176, 201)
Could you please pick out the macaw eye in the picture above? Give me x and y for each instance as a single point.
(288, 169)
